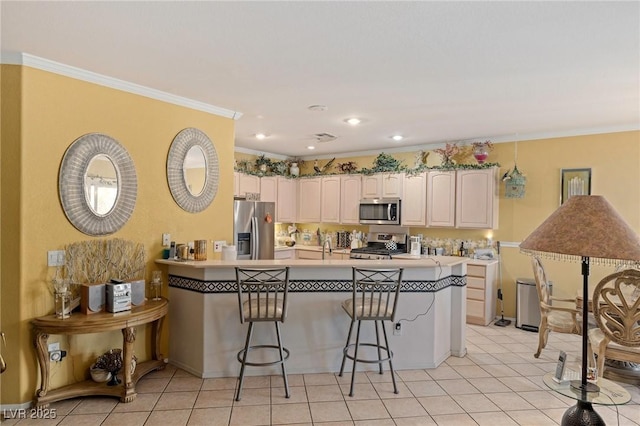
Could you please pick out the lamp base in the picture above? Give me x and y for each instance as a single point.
(581, 414)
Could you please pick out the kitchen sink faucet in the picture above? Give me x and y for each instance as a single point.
(326, 242)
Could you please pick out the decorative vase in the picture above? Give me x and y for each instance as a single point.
(263, 168)
(480, 153)
(99, 375)
(294, 170)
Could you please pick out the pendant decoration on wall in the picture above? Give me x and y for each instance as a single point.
(514, 180)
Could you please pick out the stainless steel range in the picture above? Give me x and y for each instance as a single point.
(381, 245)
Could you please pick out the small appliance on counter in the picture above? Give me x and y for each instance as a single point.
(416, 245)
(381, 245)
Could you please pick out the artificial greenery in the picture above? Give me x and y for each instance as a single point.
(383, 163)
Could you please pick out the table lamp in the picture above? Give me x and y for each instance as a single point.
(586, 229)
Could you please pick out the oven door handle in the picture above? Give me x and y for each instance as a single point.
(389, 211)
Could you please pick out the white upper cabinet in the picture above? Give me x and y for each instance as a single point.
(236, 184)
(382, 185)
(414, 202)
(330, 206)
(248, 183)
(269, 189)
(309, 199)
(350, 194)
(477, 199)
(286, 201)
(441, 198)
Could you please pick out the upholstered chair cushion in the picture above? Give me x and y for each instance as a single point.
(262, 309)
(368, 308)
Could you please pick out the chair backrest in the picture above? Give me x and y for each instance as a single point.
(375, 293)
(542, 284)
(616, 307)
(265, 291)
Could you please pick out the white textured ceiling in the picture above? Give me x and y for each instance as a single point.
(432, 71)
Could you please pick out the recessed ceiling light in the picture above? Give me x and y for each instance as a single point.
(317, 108)
(260, 136)
(397, 138)
(354, 121)
(311, 147)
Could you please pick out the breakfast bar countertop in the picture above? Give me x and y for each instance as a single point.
(401, 261)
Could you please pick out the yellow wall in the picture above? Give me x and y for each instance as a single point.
(55, 110)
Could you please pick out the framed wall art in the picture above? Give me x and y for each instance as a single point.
(574, 182)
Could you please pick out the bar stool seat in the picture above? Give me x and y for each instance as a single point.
(262, 297)
(374, 298)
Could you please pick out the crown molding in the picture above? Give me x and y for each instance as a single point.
(25, 59)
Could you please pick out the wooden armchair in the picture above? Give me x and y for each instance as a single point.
(552, 317)
(616, 308)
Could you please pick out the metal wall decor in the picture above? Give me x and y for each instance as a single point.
(75, 195)
(192, 201)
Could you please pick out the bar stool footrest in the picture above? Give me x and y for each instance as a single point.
(369, 361)
(264, 364)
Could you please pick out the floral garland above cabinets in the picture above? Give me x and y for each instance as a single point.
(383, 163)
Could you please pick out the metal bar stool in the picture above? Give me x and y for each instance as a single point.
(262, 297)
(375, 297)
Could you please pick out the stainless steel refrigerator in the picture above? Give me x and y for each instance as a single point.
(253, 229)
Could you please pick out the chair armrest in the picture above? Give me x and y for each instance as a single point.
(559, 299)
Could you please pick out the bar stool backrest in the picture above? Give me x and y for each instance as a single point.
(262, 294)
(375, 293)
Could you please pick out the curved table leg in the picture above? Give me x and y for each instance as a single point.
(155, 339)
(42, 350)
(129, 335)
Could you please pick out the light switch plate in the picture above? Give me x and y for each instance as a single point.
(55, 258)
(166, 240)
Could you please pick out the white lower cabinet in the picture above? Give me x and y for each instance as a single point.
(481, 293)
(285, 254)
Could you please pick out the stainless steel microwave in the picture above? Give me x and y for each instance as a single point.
(380, 211)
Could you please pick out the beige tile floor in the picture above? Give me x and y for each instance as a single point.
(498, 383)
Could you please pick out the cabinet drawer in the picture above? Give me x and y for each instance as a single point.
(476, 270)
(475, 308)
(474, 293)
(473, 282)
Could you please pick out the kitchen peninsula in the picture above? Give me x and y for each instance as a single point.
(206, 334)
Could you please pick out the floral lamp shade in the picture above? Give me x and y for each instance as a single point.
(514, 184)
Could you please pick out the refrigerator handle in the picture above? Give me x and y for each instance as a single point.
(255, 238)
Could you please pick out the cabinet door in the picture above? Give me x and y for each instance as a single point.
(392, 185)
(350, 194)
(476, 199)
(371, 186)
(441, 198)
(330, 205)
(236, 184)
(284, 254)
(311, 255)
(286, 204)
(414, 203)
(248, 183)
(269, 189)
(309, 198)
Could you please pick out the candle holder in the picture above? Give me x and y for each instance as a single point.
(156, 284)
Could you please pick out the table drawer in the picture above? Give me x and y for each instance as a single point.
(476, 270)
(473, 282)
(475, 308)
(474, 293)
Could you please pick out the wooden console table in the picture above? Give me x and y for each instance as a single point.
(151, 312)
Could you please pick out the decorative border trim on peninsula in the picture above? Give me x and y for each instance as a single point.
(314, 286)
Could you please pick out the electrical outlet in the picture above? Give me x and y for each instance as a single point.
(397, 329)
(217, 245)
(166, 240)
(55, 258)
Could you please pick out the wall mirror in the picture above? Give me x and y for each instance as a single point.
(192, 170)
(97, 184)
